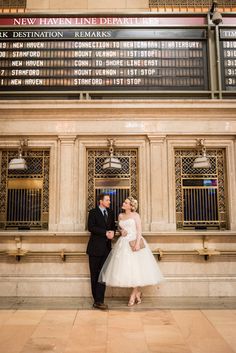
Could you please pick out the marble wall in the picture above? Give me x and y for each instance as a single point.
(155, 128)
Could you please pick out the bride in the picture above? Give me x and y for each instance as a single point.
(131, 262)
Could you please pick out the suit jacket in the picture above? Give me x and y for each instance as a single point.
(98, 244)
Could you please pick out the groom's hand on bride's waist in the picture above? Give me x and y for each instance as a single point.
(123, 232)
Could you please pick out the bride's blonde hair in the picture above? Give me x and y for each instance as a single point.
(133, 203)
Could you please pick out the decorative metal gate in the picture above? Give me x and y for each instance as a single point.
(118, 183)
(12, 6)
(24, 194)
(200, 193)
(190, 5)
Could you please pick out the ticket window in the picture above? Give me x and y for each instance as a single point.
(201, 196)
(24, 194)
(200, 202)
(24, 203)
(119, 184)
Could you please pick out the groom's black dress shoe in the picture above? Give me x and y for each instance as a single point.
(100, 306)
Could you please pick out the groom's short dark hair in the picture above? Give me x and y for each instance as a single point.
(102, 195)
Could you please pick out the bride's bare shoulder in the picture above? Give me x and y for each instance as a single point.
(121, 216)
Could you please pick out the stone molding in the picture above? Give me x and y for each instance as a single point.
(113, 109)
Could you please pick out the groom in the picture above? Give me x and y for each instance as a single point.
(101, 225)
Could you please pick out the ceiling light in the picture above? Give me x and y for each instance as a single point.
(201, 161)
(19, 163)
(215, 15)
(111, 162)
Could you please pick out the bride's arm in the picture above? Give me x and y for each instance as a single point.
(138, 230)
(119, 218)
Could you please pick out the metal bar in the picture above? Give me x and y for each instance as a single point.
(205, 198)
(38, 205)
(199, 215)
(217, 38)
(19, 216)
(215, 205)
(14, 200)
(10, 204)
(204, 205)
(210, 65)
(196, 205)
(193, 205)
(29, 206)
(155, 252)
(24, 205)
(194, 92)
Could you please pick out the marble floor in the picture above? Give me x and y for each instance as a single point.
(140, 329)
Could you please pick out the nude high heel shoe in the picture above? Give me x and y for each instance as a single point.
(132, 300)
(138, 298)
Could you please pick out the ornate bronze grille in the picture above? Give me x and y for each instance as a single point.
(119, 183)
(24, 194)
(200, 193)
(12, 5)
(190, 5)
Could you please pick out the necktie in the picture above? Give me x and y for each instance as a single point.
(105, 215)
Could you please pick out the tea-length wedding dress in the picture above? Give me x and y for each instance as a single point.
(127, 268)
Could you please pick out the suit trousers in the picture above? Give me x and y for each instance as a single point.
(95, 266)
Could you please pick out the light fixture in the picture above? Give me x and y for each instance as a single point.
(215, 15)
(19, 163)
(201, 161)
(111, 162)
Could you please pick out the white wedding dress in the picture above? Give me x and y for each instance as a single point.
(127, 268)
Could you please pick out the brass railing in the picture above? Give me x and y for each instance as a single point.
(160, 253)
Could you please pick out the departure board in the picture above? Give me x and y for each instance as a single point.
(228, 60)
(102, 59)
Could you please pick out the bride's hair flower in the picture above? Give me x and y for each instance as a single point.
(133, 203)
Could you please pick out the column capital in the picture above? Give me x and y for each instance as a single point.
(156, 138)
(67, 139)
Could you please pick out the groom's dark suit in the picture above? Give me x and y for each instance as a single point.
(98, 248)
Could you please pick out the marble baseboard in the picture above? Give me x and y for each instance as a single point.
(60, 286)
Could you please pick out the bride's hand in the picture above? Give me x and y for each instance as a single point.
(123, 232)
(137, 246)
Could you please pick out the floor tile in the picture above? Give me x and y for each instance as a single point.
(14, 337)
(45, 345)
(200, 335)
(5, 315)
(26, 317)
(225, 323)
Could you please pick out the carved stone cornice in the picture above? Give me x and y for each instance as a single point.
(117, 109)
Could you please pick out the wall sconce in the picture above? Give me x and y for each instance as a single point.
(202, 161)
(19, 163)
(215, 15)
(111, 162)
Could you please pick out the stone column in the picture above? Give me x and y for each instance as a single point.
(231, 182)
(159, 184)
(66, 197)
